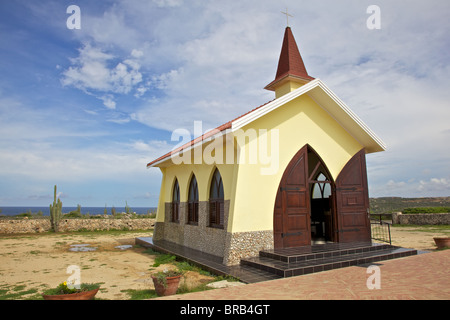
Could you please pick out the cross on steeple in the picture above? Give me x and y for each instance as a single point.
(287, 16)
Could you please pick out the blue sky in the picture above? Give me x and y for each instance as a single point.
(87, 109)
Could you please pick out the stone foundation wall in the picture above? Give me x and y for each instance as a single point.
(421, 218)
(231, 247)
(13, 226)
(246, 244)
(200, 237)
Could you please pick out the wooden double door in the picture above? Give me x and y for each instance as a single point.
(349, 202)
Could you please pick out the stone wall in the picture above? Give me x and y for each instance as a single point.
(246, 244)
(421, 218)
(17, 226)
(229, 247)
(201, 237)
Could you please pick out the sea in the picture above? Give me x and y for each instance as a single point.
(13, 211)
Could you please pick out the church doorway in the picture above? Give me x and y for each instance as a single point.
(312, 208)
(321, 209)
(322, 199)
(304, 210)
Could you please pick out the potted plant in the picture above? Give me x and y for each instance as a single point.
(64, 292)
(442, 242)
(166, 282)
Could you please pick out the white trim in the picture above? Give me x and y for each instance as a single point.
(334, 118)
(305, 89)
(252, 116)
(355, 118)
(308, 88)
(191, 147)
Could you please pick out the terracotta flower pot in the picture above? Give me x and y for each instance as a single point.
(442, 242)
(169, 289)
(85, 295)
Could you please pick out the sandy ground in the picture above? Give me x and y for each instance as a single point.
(416, 238)
(41, 261)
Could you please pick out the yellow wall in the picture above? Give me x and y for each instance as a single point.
(252, 194)
(299, 122)
(203, 174)
(160, 209)
(288, 86)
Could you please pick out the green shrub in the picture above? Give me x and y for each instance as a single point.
(27, 214)
(427, 210)
(163, 259)
(73, 214)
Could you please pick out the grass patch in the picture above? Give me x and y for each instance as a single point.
(163, 259)
(140, 294)
(160, 258)
(185, 266)
(18, 293)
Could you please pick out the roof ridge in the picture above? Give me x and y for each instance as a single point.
(206, 135)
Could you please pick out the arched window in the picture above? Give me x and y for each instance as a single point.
(193, 202)
(176, 202)
(321, 190)
(216, 200)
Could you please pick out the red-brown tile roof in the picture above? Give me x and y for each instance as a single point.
(208, 134)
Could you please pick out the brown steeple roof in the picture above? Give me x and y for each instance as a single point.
(290, 64)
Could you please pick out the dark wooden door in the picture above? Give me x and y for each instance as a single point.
(292, 207)
(352, 201)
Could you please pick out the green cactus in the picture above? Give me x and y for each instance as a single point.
(55, 213)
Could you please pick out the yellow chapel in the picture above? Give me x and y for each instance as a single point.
(289, 173)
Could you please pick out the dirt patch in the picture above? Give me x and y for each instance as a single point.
(420, 238)
(40, 262)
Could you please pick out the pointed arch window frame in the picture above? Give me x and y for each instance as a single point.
(175, 205)
(216, 201)
(324, 186)
(193, 202)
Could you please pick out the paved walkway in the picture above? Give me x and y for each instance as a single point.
(421, 277)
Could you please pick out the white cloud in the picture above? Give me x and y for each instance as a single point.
(95, 71)
(209, 62)
(167, 63)
(119, 120)
(43, 162)
(108, 101)
(435, 185)
(414, 188)
(168, 3)
(137, 53)
(89, 71)
(36, 146)
(125, 76)
(151, 147)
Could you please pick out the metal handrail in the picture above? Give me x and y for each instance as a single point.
(381, 230)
